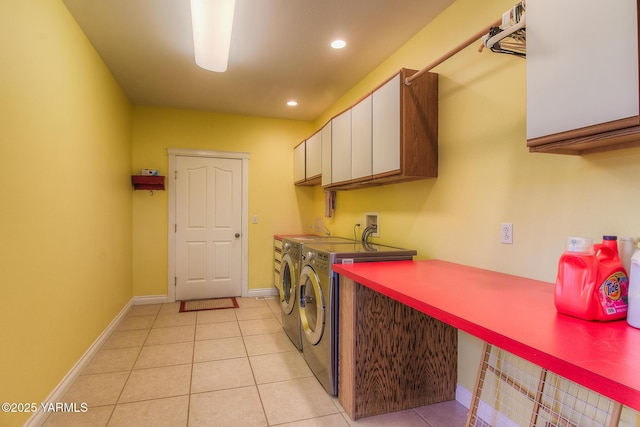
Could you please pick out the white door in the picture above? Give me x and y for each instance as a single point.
(208, 226)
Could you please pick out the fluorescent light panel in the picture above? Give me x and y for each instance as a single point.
(212, 21)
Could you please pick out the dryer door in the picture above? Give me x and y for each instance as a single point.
(312, 305)
(287, 284)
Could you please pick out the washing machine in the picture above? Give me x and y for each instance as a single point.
(289, 276)
(319, 300)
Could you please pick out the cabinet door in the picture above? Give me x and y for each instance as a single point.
(582, 64)
(386, 127)
(361, 139)
(326, 154)
(314, 156)
(299, 163)
(341, 147)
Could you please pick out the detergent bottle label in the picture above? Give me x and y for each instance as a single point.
(613, 293)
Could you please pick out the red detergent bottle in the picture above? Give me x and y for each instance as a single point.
(592, 284)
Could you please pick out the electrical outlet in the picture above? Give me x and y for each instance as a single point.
(506, 233)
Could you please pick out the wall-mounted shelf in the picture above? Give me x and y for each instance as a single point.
(145, 182)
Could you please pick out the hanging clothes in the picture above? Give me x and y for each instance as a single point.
(510, 36)
(329, 203)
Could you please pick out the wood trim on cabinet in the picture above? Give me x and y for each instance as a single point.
(419, 125)
(616, 134)
(314, 180)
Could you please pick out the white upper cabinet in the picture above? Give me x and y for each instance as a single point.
(341, 147)
(314, 156)
(391, 135)
(386, 127)
(299, 163)
(361, 142)
(307, 161)
(325, 132)
(582, 75)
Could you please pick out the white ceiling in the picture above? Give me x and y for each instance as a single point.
(279, 50)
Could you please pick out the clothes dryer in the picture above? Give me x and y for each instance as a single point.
(318, 303)
(289, 276)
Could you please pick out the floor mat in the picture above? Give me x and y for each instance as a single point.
(208, 304)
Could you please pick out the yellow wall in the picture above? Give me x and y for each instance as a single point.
(281, 207)
(486, 175)
(65, 215)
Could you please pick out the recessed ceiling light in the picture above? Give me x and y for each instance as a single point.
(338, 44)
(292, 103)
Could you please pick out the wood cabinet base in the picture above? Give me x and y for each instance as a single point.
(593, 139)
(391, 357)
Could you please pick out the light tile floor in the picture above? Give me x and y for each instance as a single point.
(232, 367)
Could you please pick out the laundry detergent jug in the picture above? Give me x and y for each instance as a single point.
(633, 315)
(592, 284)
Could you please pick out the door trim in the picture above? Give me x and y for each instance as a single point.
(173, 153)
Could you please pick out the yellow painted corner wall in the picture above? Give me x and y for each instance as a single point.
(486, 174)
(280, 207)
(65, 217)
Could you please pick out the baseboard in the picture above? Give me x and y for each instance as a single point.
(262, 292)
(58, 393)
(487, 413)
(463, 396)
(150, 299)
(163, 299)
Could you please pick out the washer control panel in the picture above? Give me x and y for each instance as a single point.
(292, 248)
(320, 261)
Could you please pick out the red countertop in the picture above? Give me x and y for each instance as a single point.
(516, 314)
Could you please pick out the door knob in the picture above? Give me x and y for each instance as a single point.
(237, 235)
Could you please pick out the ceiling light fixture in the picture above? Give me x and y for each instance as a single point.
(292, 103)
(212, 21)
(338, 44)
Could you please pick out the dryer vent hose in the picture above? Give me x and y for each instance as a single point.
(366, 234)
